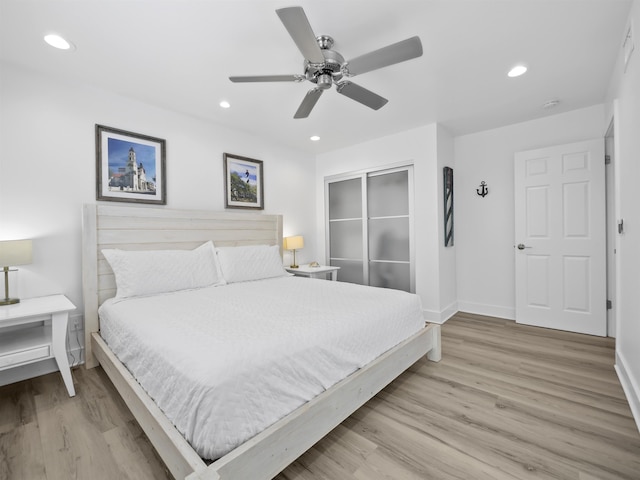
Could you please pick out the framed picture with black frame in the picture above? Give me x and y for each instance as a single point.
(244, 182)
(130, 167)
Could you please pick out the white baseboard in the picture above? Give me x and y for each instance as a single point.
(488, 310)
(433, 316)
(630, 387)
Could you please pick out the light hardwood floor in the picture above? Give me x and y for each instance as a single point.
(506, 402)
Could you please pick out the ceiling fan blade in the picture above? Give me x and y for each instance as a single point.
(308, 103)
(383, 57)
(268, 78)
(362, 95)
(297, 24)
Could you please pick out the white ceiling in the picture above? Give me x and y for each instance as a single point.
(179, 54)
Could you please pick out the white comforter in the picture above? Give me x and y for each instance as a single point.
(224, 363)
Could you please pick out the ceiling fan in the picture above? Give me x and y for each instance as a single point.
(324, 67)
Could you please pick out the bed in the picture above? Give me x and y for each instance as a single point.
(262, 454)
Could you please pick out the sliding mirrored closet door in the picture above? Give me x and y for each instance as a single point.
(370, 227)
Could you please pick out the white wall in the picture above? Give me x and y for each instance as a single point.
(419, 147)
(624, 104)
(484, 227)
(47, 170)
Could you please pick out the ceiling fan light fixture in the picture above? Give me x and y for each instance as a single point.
(325, 81)
(517, 71)
(56, 41)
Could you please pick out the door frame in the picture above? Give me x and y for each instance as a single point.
(611, 175)
(613, 195)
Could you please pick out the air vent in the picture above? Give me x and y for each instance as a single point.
(551, 104)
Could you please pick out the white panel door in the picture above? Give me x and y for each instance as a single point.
(560, 237)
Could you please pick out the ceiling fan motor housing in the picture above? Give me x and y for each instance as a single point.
(324, 74)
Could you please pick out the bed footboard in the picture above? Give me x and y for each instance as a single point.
(269, 452)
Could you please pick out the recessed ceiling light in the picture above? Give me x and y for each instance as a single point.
(314, 138)
(517, 71)
(225, 104)
(57, 41)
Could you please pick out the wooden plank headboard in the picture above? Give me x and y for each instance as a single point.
(148, 228)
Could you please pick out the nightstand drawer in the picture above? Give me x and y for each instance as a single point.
(32, 331)
(14, 358)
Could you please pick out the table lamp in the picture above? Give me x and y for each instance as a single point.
(294, 243)
(13, 252)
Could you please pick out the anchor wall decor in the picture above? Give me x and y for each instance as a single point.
(483, 190)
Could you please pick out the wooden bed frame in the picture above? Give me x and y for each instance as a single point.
(268, 453)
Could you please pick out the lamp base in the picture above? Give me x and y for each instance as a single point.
(9, 301)
(295, 265)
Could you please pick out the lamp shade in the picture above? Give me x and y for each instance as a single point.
(294, 243)
(15, 252)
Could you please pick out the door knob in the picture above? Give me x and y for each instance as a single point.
(522, 246)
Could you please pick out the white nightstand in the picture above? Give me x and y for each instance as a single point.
(33, 343)
(315, 272)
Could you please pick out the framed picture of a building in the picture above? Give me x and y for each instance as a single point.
(130, 167)
(244, 184)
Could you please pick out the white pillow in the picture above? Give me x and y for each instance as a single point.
(159, 271)
(253, 262)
